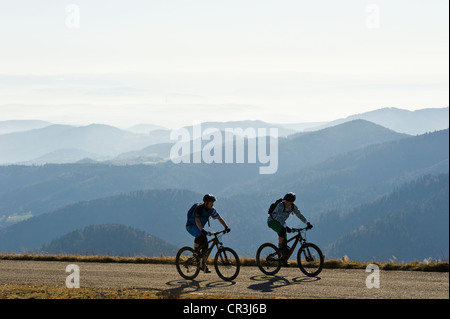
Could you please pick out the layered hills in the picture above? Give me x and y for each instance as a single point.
(372, 192)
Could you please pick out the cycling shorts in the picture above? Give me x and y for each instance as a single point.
(277, 227)
(193, 230)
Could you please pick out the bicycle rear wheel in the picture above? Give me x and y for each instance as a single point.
(268, 259)
(227, 263)
(187, 263)
(310, 259)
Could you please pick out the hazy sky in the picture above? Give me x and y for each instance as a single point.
(173, 62)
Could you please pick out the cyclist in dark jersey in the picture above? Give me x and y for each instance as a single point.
(198, 215)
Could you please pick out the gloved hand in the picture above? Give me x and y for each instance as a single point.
(204, 232)
(308, 225)
(227, 229)
(286, 228)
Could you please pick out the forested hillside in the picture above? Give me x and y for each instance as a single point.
(109, 239)
(411, 223)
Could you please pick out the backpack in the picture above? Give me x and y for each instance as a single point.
(190, 214)
(191, 211)
(273, 205)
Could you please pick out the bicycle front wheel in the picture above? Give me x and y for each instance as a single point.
(268, 259)
(187, 263)
(227, 264)
(310, 259)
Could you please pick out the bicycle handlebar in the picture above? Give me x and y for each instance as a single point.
(297, 230)
(217, 233)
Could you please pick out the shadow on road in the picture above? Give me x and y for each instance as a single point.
(190, 286)
(270, 283)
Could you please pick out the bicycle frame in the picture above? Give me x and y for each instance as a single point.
(298, 238)
(213, 242)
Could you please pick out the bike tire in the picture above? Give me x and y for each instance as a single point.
(313, 267)
(187, 264)
(227, 264)
(268, 259)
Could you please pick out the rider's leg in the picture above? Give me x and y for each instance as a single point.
(196, 246)
(201, 243)
(278, 228)
(280, 241)
(200, 246)
(196, 233)
(282, 236)
(282, 244)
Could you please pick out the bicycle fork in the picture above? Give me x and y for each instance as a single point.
(223, 255)
(307, 254)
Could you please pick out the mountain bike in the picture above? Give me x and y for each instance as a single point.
(270, 258)
(226, 262)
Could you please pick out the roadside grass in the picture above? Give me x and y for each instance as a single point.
(437, 266)
(344, 263)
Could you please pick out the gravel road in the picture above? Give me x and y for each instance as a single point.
(288, 283)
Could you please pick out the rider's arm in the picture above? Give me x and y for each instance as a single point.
(198, 223)
(299, 214)
(222, 221)
(198, 214)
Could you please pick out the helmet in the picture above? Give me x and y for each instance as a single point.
(290, 197)
(209, 198)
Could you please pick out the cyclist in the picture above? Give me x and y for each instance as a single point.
(277, 220)
(198, 215)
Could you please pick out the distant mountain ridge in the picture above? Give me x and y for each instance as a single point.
(306, 148)
(14, 126)
(402, 121)
(109, 239)
(360, 174)
(38, 142)
(99, 139)
(57, 185)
